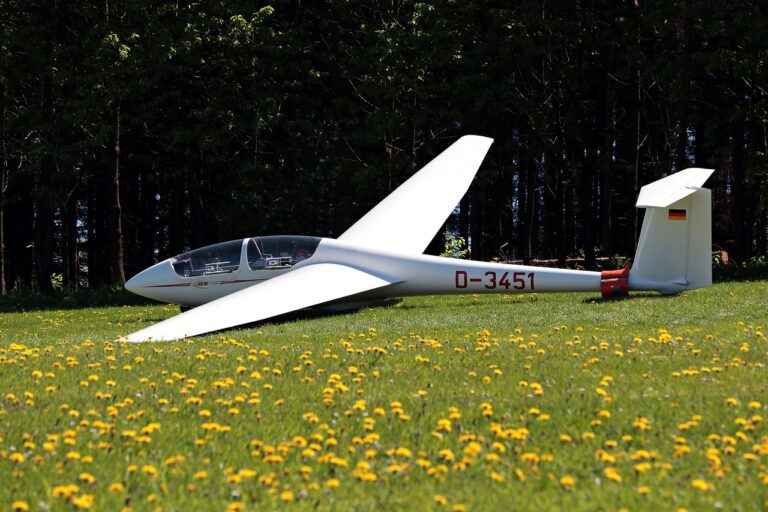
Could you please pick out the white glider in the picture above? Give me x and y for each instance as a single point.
(380, 256)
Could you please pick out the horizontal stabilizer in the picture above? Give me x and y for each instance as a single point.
(301, 288)
(673, 188)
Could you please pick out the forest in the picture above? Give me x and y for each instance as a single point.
(132, 130)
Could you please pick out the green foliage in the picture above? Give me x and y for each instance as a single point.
(455, 246)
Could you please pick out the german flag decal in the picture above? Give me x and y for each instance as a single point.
(677, 214)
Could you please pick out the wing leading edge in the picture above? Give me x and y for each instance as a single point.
(298, 289)
(408, 218)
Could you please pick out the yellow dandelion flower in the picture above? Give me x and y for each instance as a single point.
(473, 449)
(85, 501)
(567, 481)
(332, 483)
(440, 499)
(19, 506)
(403, 452)
(65, 491)
(701, 485)
(642, 467)
(612, 474)
(149, 470)
(87, 478)
(116, 487)
(286, 496)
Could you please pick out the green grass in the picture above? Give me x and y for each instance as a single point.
(662, 401)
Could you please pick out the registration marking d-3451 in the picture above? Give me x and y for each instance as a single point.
(492, 280)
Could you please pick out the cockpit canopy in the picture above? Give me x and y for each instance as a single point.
(260, 253)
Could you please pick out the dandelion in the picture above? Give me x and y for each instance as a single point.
(87, 478)
(403, 452)
(440, 499)
(149, 470)
(85, 501)
(65, 491)
(567, 481)
(612, 474)
(701, 485)
(19, 506)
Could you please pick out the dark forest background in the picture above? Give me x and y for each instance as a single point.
(132, 130)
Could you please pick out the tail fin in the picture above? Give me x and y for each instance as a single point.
(674, 252)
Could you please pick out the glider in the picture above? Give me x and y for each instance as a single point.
(380, 256)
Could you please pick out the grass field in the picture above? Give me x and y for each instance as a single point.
(448, 403)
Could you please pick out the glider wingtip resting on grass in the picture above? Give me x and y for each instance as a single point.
(380, 256)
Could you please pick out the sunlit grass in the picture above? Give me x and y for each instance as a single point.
(529, 402)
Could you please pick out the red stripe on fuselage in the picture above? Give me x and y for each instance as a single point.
(178, 285)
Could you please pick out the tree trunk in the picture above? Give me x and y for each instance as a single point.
(117, 259)
(521, 242)
(3, 189)
(69, 244)
(42, 227)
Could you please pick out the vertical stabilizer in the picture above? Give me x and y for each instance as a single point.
(674, 252)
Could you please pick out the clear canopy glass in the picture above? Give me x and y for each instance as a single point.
(273, 252)
(262, 253)
(220, 258)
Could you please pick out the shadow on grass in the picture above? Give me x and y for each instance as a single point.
(631, 296)
(313, 313)
(287, 318)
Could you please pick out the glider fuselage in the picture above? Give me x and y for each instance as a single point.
(410, 275)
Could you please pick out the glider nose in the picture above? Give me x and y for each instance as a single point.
(148, 279)
(132, 285)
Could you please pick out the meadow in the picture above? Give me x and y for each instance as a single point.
(544, 402)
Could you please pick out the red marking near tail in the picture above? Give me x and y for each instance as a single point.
(614, 283)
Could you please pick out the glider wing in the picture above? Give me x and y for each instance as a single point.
(408, 218)
(301, 288)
